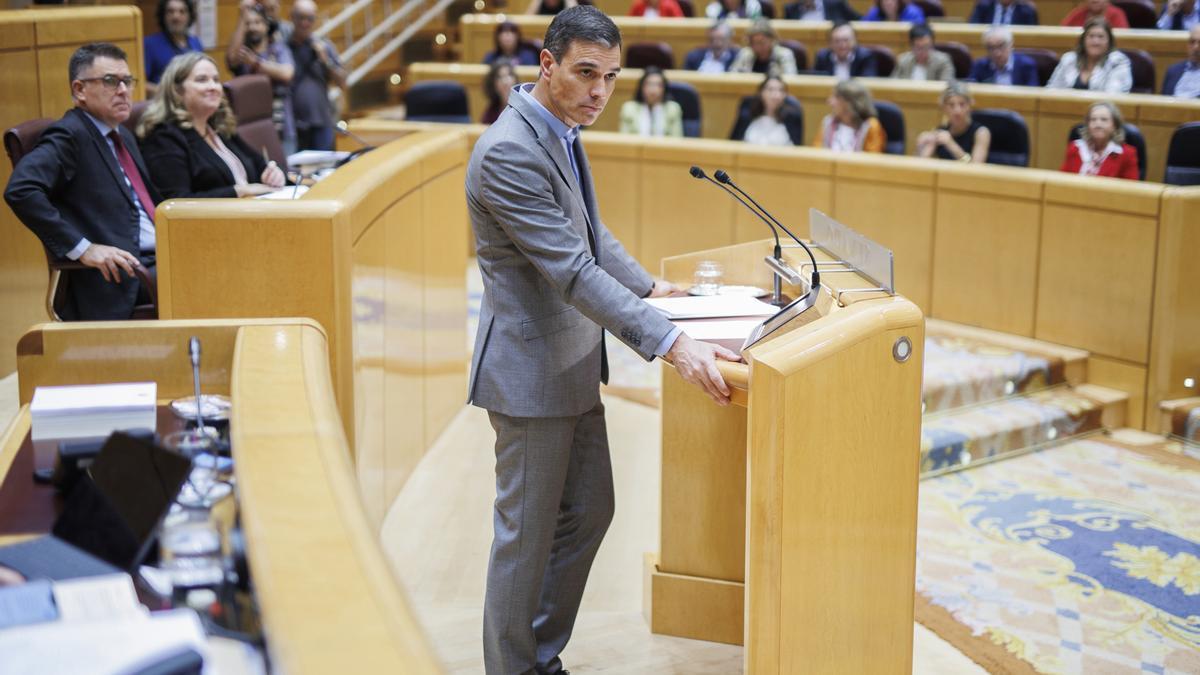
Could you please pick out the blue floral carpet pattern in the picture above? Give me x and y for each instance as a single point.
(1082, 558)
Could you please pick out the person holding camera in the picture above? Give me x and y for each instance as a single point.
(316, 67)
(262, 51)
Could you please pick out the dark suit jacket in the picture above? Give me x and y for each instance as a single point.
(836, 11)
(185, 165)
(696, 56)
(863, 64)
(1022, 14)
(1025, 71)
(1172, 78)
(71, 187)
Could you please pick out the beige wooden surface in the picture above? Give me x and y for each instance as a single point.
(374, 253)
(1175, 330)
(35, 45)
(1049, 114)
(1050, 12)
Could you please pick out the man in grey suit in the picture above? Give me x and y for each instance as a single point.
(554, 279)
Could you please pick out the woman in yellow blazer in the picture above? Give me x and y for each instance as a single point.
(852, 124)
(651, 113)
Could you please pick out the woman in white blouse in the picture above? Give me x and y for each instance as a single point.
(651, 113)
(770, 119)
(1096, 64)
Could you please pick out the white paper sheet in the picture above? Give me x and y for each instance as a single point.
(719, 330)
(111, 596)
(285, 193)
(711, 307)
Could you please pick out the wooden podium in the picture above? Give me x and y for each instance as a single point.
(789, 519)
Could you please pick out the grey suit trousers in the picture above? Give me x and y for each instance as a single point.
(554, 502)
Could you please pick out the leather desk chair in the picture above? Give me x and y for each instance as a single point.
(250, 98)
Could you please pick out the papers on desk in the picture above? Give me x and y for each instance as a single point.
(285, 193)
(92, 410)
(720, 329)
(711, 307)
(100, 598)
(310, 158)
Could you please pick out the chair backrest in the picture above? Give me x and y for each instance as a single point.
(798, 50)
(1010, 136)
(1133, 136)
(747, 101)
(688, 99)
(250, 97)
(1140, 13)
(768, 9)
(959, 55)
(135, 115)
(21, 139)
(1183, 155)
(1142, 65)
(891, 118)
(642, 54)
(437, 101)
(885, 59)
(931, 7)
(688, 9)
(1045, 59)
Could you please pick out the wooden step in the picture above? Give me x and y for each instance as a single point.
(1180, 417)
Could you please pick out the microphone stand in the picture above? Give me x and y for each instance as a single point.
(724, 179)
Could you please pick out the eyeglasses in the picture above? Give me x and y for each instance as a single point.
(113, 81)
(995, 46)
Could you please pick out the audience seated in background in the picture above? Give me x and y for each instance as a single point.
(508, 46)
(548, 7)
(960, 138)
(852, 124)
(317, 68)
(497, 85)
(1101, 149)
(717, 56)
(263, 51)
(844, 59)
(1097, 9)
(655, 9)
(764, 53)
(1183, 79)
(1004, 12)
(835, 11)
(189, 137)
(923, 62)
(651, 113)
(174, 18)
(85, 191)
(733, 9)
(894, 10)
(1179, 15)
(1096, 64)
(1002, 65)
(770, 119)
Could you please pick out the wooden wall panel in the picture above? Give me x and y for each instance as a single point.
(1122, 376)
(617, 174)
(787, 188)
(706, 214)
(370, 335)
(1175, 345)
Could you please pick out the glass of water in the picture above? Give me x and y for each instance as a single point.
(708, 278)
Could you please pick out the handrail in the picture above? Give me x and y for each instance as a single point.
(345, 15)
(365, 41)
(395, 44)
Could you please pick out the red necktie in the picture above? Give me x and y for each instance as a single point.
(132, 173)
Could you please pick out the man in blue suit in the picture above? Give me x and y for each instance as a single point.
(1001, 65)
(717, 55)
(1004, 13)
(1183, 78)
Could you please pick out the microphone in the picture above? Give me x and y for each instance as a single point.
(194, 355)
(344, 129)
(724, 179)
(697, 172)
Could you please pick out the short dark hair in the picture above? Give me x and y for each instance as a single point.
(919, 31)
(651, 71)
(160, 13)
(582, 23)
(86, 55)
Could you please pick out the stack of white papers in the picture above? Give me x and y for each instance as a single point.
(711, 306)
(92, 410)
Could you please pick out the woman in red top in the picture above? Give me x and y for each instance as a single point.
(1115, 16)
(666, 9)
(1102, 150)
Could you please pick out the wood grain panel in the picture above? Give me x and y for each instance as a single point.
(787, 188)
(1175, 348)
(617, 174)
(1125, 377)
(705, 215)
(369, 293)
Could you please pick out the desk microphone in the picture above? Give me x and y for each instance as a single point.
(194, 355)
(697, 172)
(344, 129)
(724, 179)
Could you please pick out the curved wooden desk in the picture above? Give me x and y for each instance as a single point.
(1050, 12)
(327, 596)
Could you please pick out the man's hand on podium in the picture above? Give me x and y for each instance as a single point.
(696, 362)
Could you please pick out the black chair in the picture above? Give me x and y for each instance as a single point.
(744, 112)
(1142, 65)
(437, 101)
(642, 54)
(931, 8)
(1133, 136)
(891, 118)
(885, 59)
(798, 50)
(689, 99)
(959, 55)
(1183, 156)
(688, 9)
(1010, 136)
(1046, 60)
(768, 9)
(1140, 13)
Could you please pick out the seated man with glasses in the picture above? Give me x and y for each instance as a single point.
(1002, 65)
(85, 192)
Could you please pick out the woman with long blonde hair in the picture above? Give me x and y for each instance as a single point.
(189, 138)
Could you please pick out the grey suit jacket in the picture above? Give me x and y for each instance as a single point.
(538, 352)
(940, 67)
